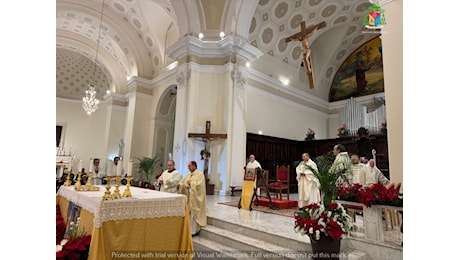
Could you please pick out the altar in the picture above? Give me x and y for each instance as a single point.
(149, 223)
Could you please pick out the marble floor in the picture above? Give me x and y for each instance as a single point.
(275, 224)
(270, 223)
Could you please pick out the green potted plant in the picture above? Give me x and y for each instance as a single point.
(327, 222)
(148, 166)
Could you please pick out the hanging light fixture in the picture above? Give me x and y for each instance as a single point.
(90, 102)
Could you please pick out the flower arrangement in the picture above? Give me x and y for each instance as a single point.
(73, 244)
(383, 127)
(310, 135)
(374, 194)
(343, 131)
(327, 218)
(316, 220)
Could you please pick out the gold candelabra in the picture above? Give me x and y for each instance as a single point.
(107, 195)
(88, 181)
(127, 192)
(78, 183)
(116, 193)
(88, 186)
(67, 181)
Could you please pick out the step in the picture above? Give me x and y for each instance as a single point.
(236, 242)
(209, 249)
(231, 241)
(281, 239)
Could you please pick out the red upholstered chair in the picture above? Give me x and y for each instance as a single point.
(281, 183)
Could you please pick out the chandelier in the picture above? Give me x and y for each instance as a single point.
(90, 102)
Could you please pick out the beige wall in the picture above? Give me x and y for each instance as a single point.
(82, 132)
(277, 117)
(392, 45)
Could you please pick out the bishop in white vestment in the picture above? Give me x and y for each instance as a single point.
(308, 184)
(370, 174)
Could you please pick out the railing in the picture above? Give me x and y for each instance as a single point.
(378, 223)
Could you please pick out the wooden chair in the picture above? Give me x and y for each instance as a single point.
(281, 182)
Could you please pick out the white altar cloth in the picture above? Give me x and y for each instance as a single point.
(144, 203)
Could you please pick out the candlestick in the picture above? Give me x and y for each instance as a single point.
(127, 192)
(107, 195)
(91, 165)
(130, 167)
(67, 181)
(80, 166)
(78, 183)
(109, 168)
(116, 193)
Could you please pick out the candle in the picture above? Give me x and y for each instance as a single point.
(130, 167)
(170, 156)
(80, 165)
(91, 165)
(119, 166)
(109, 168)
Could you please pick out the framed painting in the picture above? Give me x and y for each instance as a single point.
(361, 74)
(250, 174)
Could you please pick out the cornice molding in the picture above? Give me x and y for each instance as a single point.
(230, 45)
(277, 85)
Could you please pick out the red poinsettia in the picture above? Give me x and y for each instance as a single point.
(374, 194)
(316, 220)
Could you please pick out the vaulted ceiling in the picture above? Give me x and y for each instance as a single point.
(134, 36)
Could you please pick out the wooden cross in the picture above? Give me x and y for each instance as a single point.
(303, 36)
(207, 138)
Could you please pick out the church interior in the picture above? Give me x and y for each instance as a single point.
(214, 81)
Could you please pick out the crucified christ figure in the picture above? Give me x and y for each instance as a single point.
(303, 36)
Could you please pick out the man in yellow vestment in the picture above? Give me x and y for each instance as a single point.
(193, 186)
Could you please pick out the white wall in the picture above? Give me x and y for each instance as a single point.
(83, 133)
(392, 44)
(277, 117)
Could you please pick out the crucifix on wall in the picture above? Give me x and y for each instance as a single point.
(207, 137)
(303, 36)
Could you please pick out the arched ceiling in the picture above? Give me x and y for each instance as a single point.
(136, 33)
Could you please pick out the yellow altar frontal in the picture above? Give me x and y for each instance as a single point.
(150, 225)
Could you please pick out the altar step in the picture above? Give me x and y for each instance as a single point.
(225, 240)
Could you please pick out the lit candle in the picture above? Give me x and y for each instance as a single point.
(80, 165)
(119, 166)
(109, 168)
(91, 165)
(130, 167)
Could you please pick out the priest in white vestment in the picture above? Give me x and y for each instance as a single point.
(193, 186)
(170, 178)
(370, 174)
(356, 167)
(342, 163)
(98, 172)
(308, 184)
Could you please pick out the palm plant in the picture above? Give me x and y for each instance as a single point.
(148, 166)
(329, 177)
